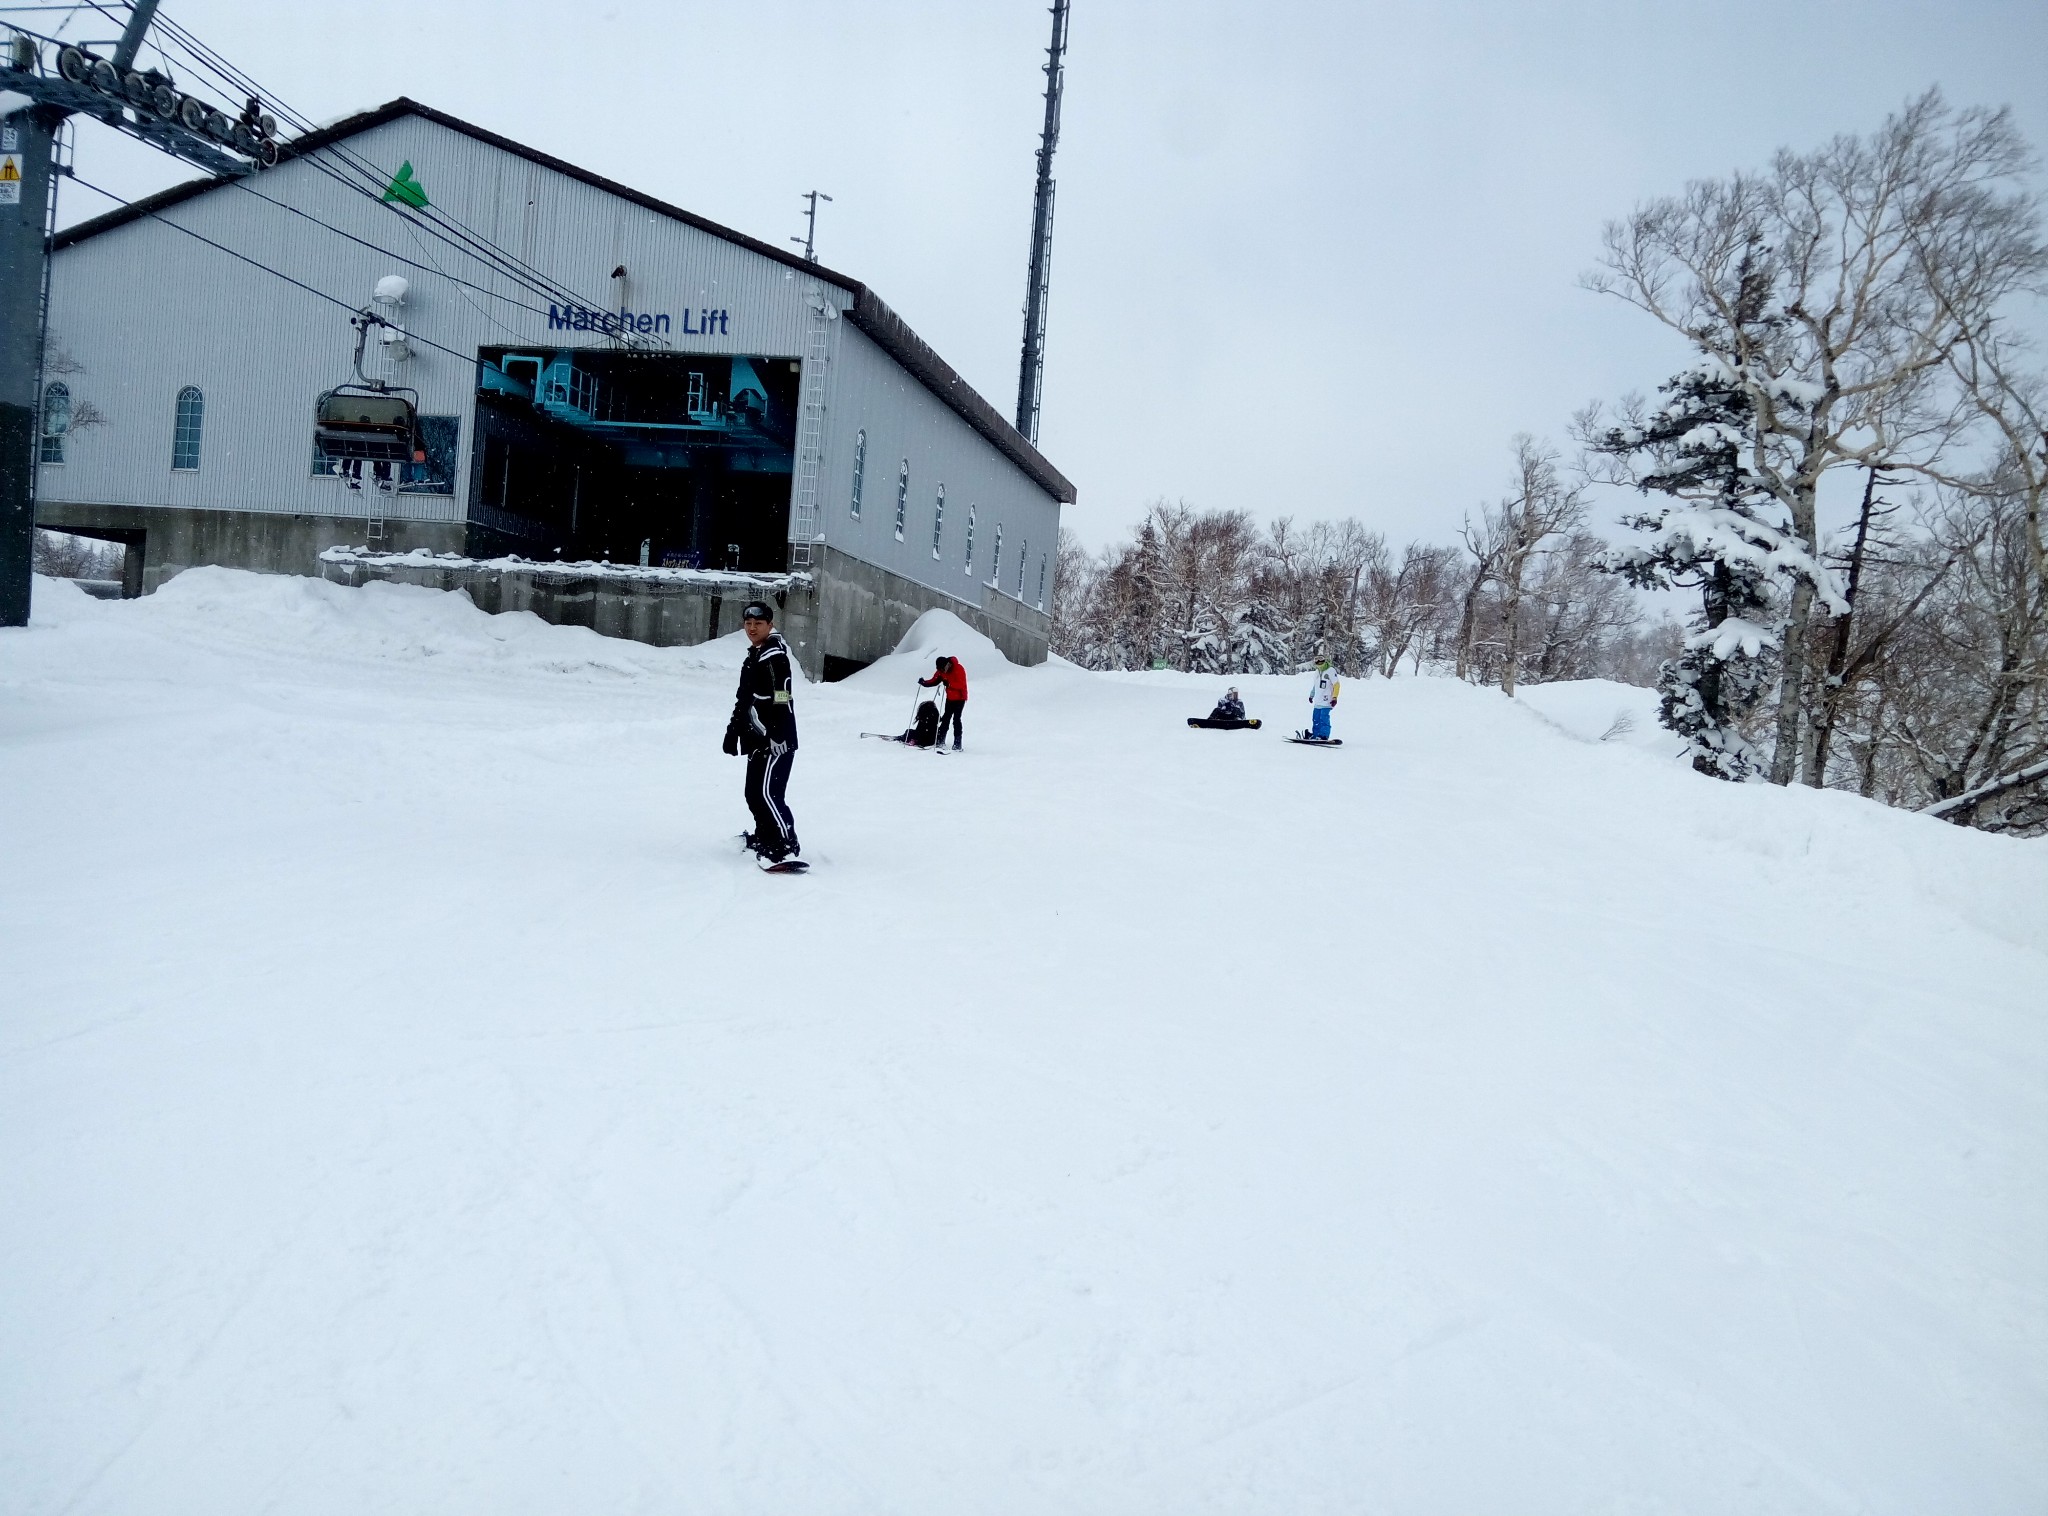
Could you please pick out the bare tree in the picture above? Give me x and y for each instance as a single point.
(1406, 605)
(1542, 507)
(1484, 543)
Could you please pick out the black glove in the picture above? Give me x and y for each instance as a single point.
(732, 742)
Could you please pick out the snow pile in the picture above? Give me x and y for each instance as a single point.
(409, 1098)
(933, 633)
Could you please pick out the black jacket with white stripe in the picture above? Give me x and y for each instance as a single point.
(764, 710)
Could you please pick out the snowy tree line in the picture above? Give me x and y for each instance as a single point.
(1854, 314)
(1521, 596)
(60, 555)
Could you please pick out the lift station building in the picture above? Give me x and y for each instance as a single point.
(686, 415)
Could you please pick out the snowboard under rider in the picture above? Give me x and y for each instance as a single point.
(1229, 708)
(763, 726)
(1322, 699)
(952, 674)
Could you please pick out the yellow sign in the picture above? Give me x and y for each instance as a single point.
(10, 170)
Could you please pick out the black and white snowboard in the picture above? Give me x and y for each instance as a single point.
(1310, 739)
(786, 866)
(1223, 724)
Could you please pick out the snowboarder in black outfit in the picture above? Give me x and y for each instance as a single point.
(763, 726)
(1228, 716)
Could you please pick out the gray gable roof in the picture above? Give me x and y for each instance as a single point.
(868, 311)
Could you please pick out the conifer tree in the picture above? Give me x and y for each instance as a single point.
(1722, 532)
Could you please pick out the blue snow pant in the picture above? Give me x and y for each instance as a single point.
(1319, 722)
(767, 777)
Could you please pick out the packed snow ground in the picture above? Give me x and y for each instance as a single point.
(410, 1100)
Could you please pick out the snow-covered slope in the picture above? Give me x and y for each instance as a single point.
(409, 1099)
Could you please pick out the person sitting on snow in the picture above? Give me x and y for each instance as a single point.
(953, 675)
(1229, 708)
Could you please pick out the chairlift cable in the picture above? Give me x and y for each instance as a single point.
(352, 309)
(425, 268)
(354, 172)
(375, 181)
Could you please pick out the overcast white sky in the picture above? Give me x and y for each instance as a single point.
(1317, 259)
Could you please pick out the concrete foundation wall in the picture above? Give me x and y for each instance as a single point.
(165, 540)
(843, 616)
(664, 608)
(864, 611)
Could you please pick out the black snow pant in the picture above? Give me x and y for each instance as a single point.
(955, 709)
(767, 778)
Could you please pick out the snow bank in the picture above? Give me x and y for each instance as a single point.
(410, 1099)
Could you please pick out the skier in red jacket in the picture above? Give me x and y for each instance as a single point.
(950, 673)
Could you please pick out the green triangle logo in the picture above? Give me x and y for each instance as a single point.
(405, 189)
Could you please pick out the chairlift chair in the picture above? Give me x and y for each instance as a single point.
(367, 419)
(362, 421)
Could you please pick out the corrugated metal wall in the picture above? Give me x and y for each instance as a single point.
(142, 310)
(903, 421)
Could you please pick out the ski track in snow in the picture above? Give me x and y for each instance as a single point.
(412, 1099)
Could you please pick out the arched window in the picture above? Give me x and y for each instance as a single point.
(1041, 581)
(56, 423)
(969, 563)
(902, 497)
(995, 573)
(938, 519)
(1023, 557)
(860, 466)
(185, 434)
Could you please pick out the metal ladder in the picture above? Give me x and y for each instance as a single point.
(805, 535)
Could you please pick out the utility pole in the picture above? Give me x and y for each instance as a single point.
(810, 237)
(28, 140)
(144, 105)
(1038, 284)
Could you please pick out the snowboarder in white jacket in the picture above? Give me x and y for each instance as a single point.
(1322, 699)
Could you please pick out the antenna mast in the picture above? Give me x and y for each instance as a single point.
(1038, 284)
(810, 237)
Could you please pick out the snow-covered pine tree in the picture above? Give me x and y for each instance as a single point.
(1256, 641)
(1205, 649)
(1723, 532)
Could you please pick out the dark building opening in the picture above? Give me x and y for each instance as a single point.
(591, 453)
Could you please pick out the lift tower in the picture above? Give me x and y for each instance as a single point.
(1037, 286)
(141, 103)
